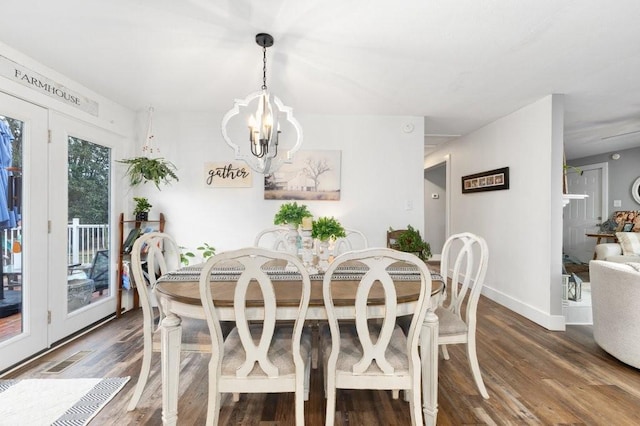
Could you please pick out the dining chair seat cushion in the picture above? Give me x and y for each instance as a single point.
(279, 352)
(351, 349)
(449, 323)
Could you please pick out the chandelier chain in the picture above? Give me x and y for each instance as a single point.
(264, 68)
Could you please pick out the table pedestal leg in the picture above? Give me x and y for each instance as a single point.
(171, 334)
(429, 355)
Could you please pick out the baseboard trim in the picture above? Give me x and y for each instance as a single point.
(550, 322)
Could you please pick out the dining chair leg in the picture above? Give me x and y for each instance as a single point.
(331, 404)
(395, 393)
(445, 352)
(475, 367)
(145, 370)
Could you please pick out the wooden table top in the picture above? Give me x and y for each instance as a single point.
(287, 292)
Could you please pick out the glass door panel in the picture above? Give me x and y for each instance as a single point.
(89, 172)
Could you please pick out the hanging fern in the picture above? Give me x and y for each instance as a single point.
(144, 169)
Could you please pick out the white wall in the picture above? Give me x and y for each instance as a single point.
(522, 225)
(381, 171)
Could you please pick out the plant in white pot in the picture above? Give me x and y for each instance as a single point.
(292, 215)
(326, 230)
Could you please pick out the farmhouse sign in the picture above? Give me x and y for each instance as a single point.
(29, 78)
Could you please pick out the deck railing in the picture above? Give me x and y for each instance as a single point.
(84, 241)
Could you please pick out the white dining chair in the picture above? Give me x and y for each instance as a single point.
(372, 354)
(258, 355)
(463, 267)
(155, 254)
(274, 238)
(354, 240)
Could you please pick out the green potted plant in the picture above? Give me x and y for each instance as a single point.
(144, 169)
(205, 248)
(411, 241)
(141, 211)
(326, 228)
(291, 214)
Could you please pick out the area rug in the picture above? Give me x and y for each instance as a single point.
(44, 402)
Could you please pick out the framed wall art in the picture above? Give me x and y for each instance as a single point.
(312, 175)
(491, 180)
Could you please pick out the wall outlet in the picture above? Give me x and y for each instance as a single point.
(408, 205)
(617, 203)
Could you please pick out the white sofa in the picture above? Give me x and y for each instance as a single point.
(612, 252)
(615, 293)
(627, 249)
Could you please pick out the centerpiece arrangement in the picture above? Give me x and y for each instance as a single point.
(326, 230)
(291, 214)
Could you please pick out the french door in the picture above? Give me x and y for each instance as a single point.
(23, 226)
(56, 195)
(80, 248)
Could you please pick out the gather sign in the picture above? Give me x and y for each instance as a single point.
(227, 175)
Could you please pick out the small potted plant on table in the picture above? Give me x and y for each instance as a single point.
(326, 229)
(141, 211)
(291, 214)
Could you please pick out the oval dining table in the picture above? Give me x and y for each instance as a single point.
(178, 294)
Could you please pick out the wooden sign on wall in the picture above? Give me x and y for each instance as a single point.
(228, 175)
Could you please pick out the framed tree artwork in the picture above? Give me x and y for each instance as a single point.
(312, 175)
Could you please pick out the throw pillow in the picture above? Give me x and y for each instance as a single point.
(630, 243)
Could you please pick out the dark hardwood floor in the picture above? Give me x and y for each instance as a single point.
(534, 377)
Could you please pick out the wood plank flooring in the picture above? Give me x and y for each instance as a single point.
(534, 377)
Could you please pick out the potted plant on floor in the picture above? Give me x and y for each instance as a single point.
(411, 241)
(141, 211)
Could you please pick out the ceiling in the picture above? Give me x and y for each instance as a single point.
(460, 64)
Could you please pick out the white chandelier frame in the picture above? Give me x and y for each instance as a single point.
(269, 163)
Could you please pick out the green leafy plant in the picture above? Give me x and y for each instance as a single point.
(144, 169)
(142, 205)
(411, 241)
(206, 249)
(326, 228)
(291, 214)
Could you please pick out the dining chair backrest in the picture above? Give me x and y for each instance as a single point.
(463, 266)
(354, 240)
(384, 358)
(392, 236)
(274, 238)
(246, 361)
(464, 262)
(153, 254)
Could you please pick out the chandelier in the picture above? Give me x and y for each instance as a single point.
(271, 126)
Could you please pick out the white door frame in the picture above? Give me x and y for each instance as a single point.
(64, 323)
(34, 218)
